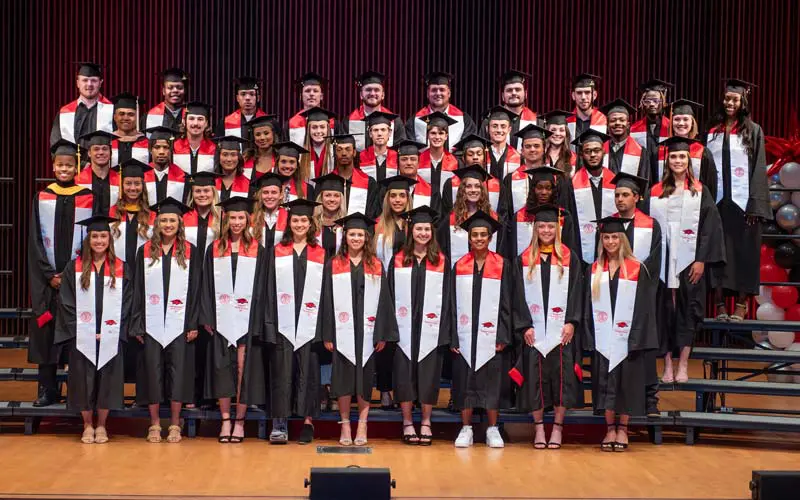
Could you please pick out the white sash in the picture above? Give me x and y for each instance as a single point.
(358, 130)
(154, 120)
(120, 241)
(174, 190)
(205, 163)
(105, 120)
(302, 332)
(640, 138)
(419, 200)
(739, 168)
(85, 315)
(584, 204)
(642, 241)
(233, 305)
(297, 135)
(383, 252)
(337, 231)
(547, 330)
(630, 163)
(343, 314)
(519, 192)
(612, 328)
(137, 153)
(459, 244)
(358, 200)
(165, 328)
(47, 225)
(431, 311)
(113, 190)
(524, 235)
(191, 236)
(682, 237)
(488, 315)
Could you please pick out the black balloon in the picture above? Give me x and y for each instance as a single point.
(786, 255)
(794, 274)
(770, 227)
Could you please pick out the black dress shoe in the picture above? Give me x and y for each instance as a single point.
(306, 435)
(46, 398)
(652, 410)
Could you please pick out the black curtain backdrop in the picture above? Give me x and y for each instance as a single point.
(691, 43)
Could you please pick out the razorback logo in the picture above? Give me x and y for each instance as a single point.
(111, 322)
(431, 315)
(48, 243)
(241, 300)
(371, 319)
(622, 324)
(535, 308)
(463, 320)
(224, 298)
(488, 324)
(176, 302)
(311, 305)
(557, 309)
(601, 316)
(688, 231)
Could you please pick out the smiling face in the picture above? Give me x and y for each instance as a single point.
(65, 168)
(331, 201)
(99, 241)
(678, 162)
(618, 124)
(439, 95)
(271, 197)
(732, 102)
(611, 243)
(472, 189)
(372, 94)
(132, 188)
(203, 196)
(237, 221)
(533, 150)
(546, 232)
(498, 131)
(168, 224)
(398, 200)
(88, 86)
(173, 92)
(287, 165)
(355, 238)
(263, 137)
(479, 238)
(100, 155)
(300, 225)
(228, 160)
(196, 125)
(422, 233)
(125, 119)
(559, 134)
(437, 137)
(592, 153)
(318, 130)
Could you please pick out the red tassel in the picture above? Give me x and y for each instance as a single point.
(578, 371)
(516, 376)
(44, 319)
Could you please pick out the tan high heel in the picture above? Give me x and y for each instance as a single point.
(100, 435)
(154, 434)
(174, 435)
(361, 440)
(88, 435)
(345, 441)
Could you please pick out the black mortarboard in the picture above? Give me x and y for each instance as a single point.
(557, 117)
(685, 107)
(481, 219)
(738, 86)
(132, 168)
(612, 224)
(174, 75)
(230, 142)
(591, 135)
(397, 182)
(342, 138)
(198, 108)
(545, 213)
(329, 182)
(271, 179)
(369, 77)
(533, 131)
(437, 119)
(633, 182)
(161, 132)
(98, 223)
(472, 141)
(420, 215)
(63, 148)
(310, 78)
(236, 204)
(289, 149)
(380, 117)
(618, 106)
(438, 78)
(544, 173)
(317, 114)
(86, 68)
(676, 143)
(301, 206)
(512, 76)
(585, 80)
(98, 138)
(500, 113)
(126, 100)
(655, 84)
(263, 120)
(205, 178)
(472, 172)
(170, 205)
(356, 220)
(408, 147)
(246, 83)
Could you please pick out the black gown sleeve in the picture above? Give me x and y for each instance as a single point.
(65, 319)
(374, 199)
(410, 133)
(653, 261)
(505, 326)
(587, 325)
(447, 303)
(385, 321)
(447, 197)
(453, 341)
(192, 317)
(399, 131)
(643, 335)
(256, 325)
(207, 315)
(469, 127)
(568, 232)
(328, 330)
(55, 131)
(137, 325)
(519, 309)
(710, 239)
(271, 305)
(708, 173)
(758, 204)
(644, 164)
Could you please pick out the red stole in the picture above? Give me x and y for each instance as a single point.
(234, 121)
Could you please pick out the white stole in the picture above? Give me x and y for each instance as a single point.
(86, 314)
(612, 328)
(547, 329)
(681, 238)
(233, 303)
(165, 327)
(343, 313)
(105, 121)
(431, 310)
(488, 316)
(739, 168)
(305, 329)
(47, 226)
(584, 203)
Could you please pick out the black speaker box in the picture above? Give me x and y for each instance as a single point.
(349, 483)
(775, 485)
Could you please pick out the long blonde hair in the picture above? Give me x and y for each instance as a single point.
(215, 213)
(304, 165)
(142, 216)
(258, 219)
(534, 251)
(319, 211)
(88, 262)
(625, 253)
(178, 246)
(387, 221)
(225, 236)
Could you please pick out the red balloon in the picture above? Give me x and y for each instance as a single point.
(767, 254)
(784, 296)
(793, 313)
(773, 273)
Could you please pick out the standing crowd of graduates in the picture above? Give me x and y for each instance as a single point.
(295, 266)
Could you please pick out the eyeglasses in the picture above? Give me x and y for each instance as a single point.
(593, 151)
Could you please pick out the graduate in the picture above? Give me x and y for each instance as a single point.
(295, 183)
(619, 326)
(54, 239)
(129, 142)
(196, 151)
(357, 321)
(311, 96)
(268, 220)
(437, 164)
(654, 126)
(263, 158)
(294, 289)
(514, 97)
(622, 152)
(166, 287)
(473, 150)
(422, 192)
(438, 87)
(201, 223)
(362, 192)
(548, 290)
(248, 97)
(330, 208)
(230, 163)
(165, 180)
(737, 145)
(585, 115)
(482, 284)
(693, 240)
(557, 150)
(95, 304)
(503, 159)
(88, 113)
(169, 112)
(390, 231)
(419, 279)
(98, 175)
(371, 92)
(133, 218)
(319, 157)
(232, 305)
(378, 160)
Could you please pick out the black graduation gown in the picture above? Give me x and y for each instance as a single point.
(329, 241)
(87, 387)
(651, 151)
(125, 150)
(743, 242)
(166, 373)
(644, 170)
(508, 244)
(653, 260)
(101, 189)
(174, 122)
(294, 376)
(708, 173)
(679, 322)
(506, 208)
(346, 378)
(415, 379)
(42, 349)
(85, 121)
(623, 389)
(550, 381)
(221, 360)
(469, 128)
(487, 388)
(374, 197)
(343, 127)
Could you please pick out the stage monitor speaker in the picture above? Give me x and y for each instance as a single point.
(775, 485)
(349, 483)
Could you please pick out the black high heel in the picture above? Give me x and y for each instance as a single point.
(539, 445)
(413, 438)
(425, 439)
(608, 446)
(621, 446)
(555, 446)
(236, 439)
(225, 439)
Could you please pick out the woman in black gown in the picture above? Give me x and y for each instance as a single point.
(330, 196)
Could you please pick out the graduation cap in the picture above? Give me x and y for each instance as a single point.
(557, 117)
(90, 69)
(263, 121)
(301, 206)
(739, 86)
(500, 113)
(421, 215)
(481, 219)
(270, 179)
(98, 223)
(437, 119)
(369, 77)
(618, 106)
(545, 213)
(408, 147)
(98, 138)
(472, 172)
(310, 78)
(289, 149)
(591, 135)
(329, 182)
(356, 220)
(161, 132)
(246, 83)
(544, 173)
(199, 108)
(318, 114)
(438, 78)
(685, 107)
(170, 205)
(655, 84)
(230, 142)
(612, 224)
(676, 143)
(513, 76)
(205, 179)
(380, 117)
(533, 131)
(585, 80)
(63, 148)
(236, 204)
(174, 74)
(633, 182)
(342, 138)
(472, 141)
(398, 182)
(132, 168)
(126, 100)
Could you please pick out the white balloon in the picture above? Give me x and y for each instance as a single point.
(765, 295)
(790, 175)
(788, 217)
(777, 199)
(770, 312)
(781, 340)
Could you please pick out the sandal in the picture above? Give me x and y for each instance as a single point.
(154, 434)
(722, 312)
(608, 445)
(345, 441)
(551, 445)
(225, 438)
(100, 435)
(739, 317)
(237, 439)
(412, 438)
(425, 439)
(539, 445)
(88, 435)
(361, 440)
(621, 446)
(174, 435)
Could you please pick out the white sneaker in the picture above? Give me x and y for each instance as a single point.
(493, 438)
(464, 439)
